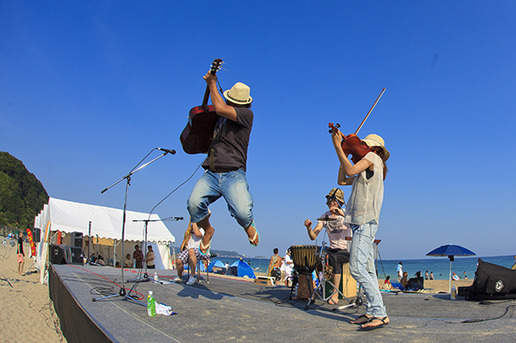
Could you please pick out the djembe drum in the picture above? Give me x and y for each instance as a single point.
(305, 261)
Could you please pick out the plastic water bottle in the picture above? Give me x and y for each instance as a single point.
(151, 305)
(155, 276)
(453, 294)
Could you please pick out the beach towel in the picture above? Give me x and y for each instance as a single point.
(397, 285)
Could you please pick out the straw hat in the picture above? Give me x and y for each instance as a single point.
(239, 94)
(336, 193)
(373, 140)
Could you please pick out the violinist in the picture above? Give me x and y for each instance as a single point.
(366, 176)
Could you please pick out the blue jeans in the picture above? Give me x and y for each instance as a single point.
(232, 186)
(361, 266)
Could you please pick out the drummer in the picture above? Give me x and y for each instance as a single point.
(333, 222)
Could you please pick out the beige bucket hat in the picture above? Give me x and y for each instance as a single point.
(373, 140)
(239, 94)
(336, 193)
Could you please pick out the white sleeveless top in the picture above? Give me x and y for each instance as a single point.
(365, 201)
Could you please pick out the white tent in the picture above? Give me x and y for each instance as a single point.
(68, 216)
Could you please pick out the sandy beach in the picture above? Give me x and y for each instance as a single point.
(28, 314)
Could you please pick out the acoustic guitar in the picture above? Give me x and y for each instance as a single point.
(197, 135)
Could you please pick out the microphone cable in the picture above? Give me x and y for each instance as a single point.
(159, 203)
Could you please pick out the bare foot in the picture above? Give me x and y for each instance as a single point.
(333, 300)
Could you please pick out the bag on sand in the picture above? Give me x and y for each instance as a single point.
(492, 282)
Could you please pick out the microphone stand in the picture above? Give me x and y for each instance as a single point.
(122, 292)
(145, 277)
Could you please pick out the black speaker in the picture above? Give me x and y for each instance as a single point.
(76, 240)
(36, 235)
(73, 255)
(56, 255)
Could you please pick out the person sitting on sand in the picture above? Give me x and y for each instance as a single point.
(190, 252)
(404, 280)
(100, 261)
(128, 263)
(387, 284)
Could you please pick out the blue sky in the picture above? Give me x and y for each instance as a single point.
(88, 88)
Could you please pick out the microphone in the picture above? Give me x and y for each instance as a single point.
(168, 151)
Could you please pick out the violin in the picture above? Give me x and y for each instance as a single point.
(351, 144)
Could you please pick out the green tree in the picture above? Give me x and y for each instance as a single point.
(22, 195)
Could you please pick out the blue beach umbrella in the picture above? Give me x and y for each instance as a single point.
(451, 251)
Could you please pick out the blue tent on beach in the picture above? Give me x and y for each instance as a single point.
(242, 269)
(216, 263)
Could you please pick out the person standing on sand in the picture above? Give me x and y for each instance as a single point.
(362, 213)
(274, 268)
(21, 254)
(138, 257)
(149, 258)
(400, 271)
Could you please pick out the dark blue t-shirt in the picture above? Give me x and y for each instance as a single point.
(231, 140)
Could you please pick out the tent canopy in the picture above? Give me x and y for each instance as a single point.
(241, 268)
(216, 264)
(106, 222)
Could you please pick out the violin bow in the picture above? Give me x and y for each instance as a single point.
(371, 110)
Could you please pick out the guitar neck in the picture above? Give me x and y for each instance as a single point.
(206, 96)
(214, 67)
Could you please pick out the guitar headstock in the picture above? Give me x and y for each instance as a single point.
(215, 66)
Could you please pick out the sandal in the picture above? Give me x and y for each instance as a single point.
(256, 234)
(369, 326)
(205, 247)
(332, 302)
(362, 319)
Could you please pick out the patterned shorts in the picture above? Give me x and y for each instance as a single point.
(183, 255)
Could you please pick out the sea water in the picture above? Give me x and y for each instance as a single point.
(440, 266)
